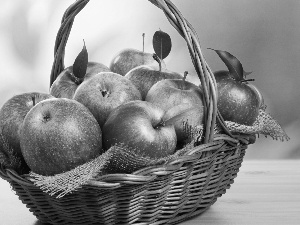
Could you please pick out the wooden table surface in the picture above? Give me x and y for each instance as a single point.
(264, 192)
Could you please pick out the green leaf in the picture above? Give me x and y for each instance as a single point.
(162, 44)
(80, 63)
(234, 66)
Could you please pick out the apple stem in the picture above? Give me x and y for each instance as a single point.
(104, 93)
(162, 123)
(185, 75)
(33, 100)
(247, 80)
(161, 47)
(143, 41)
(46, 117)
(157, 59)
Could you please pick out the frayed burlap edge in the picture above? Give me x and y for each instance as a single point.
(116, 159)
(265, 124)
(67, 182)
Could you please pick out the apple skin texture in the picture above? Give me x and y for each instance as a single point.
(139, 126)
(12, 115)
(237, 102)
(58, 135)
(144, 77)
(260, 96)
(129, 58)
(172, 92)
(105, 91)
(65, 84)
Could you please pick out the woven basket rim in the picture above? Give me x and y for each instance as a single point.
(149, 173)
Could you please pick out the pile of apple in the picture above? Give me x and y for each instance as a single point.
(135, 102)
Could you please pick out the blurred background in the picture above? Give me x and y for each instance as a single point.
(263, 35)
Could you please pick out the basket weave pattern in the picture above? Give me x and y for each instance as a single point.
(158, 195)
(166, 194)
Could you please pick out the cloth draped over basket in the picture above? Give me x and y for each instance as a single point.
(120, 159)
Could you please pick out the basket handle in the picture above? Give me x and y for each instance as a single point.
(184, 28)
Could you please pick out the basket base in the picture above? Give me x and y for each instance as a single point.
(171, 198)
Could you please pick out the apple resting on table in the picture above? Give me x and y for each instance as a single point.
(66, 83)
(104, 92)
(58, 135)
(12, 115)
(128, 59)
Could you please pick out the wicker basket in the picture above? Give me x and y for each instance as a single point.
(165, 194)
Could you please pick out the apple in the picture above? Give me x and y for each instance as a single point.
(58, 135)
(169, 93)
(66, 83)
(184, 116)
(105, 91)
(138, 125)
(182, 101)
(129, 58)
(237, 101)
(144, 77)
(262, 104)
(12, 115)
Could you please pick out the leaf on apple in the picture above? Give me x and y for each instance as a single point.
(162, 44)
(80, 63)
(234, 66)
